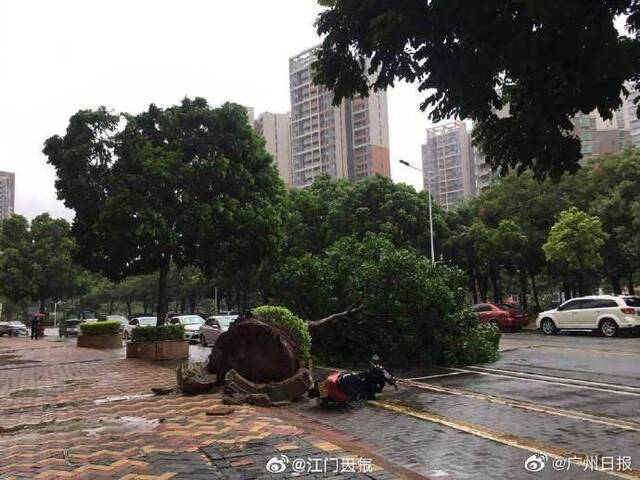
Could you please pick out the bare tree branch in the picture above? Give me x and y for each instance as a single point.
(355, 308)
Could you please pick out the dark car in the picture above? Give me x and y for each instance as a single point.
(501, 317)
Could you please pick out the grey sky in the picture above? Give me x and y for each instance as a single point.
(57, 57)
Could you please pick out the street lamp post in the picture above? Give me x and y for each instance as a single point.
(433, 252)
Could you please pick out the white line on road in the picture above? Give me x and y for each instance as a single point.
(501, 437)
(573, 414)
(567, 382)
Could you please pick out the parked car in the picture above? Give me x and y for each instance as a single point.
(520, 317)
(119, 318)
(605, 313)
(138, 322)
(191, 324)
(501, 317)
(215, 326)
(13, 328)
(70, 327)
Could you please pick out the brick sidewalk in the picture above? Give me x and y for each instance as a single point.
(75, 413)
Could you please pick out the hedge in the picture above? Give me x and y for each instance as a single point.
(295, 325)
(100, 328)
(157, 334)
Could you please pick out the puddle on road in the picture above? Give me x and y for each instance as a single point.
(121, 425)
(46, 391)
(9, 359)
(122, 398)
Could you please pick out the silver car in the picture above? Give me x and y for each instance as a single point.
(138, 322)
(13, 328)
(215, 326)
(191, 324)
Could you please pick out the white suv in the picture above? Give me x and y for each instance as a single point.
(602, 312)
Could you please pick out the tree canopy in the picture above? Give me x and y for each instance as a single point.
(188, 184)
(36, 260)
(545, 61)
(575, 242)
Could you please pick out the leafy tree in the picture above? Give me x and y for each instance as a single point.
(545, 61)
(575, 242)
(15, 259)
(408, 309)
(188, 184)
(36, 260)
(612, 183)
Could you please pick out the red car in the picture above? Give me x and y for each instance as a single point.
(503, 316)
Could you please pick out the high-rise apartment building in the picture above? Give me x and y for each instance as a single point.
(7, 194)
(453, 168)
(349, 141)
(274, 127)
(599, 136)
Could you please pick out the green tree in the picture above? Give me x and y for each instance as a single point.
(612, 183)
(575, 242)
(36, 260)
(395, 303)
(189, 184)
(474, 58)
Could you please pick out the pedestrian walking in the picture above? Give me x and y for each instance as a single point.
(35, 328)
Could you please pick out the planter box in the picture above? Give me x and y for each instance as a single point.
(100, 341)
(164, 350)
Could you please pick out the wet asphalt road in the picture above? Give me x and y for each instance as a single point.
(569, 396)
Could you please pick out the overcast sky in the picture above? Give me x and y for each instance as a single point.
(57, 57)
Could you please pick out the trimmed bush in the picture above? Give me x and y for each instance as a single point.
(100, 328)
(157, 334)
(284, 318)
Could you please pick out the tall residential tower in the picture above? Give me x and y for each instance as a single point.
(7, 194)
(274, 127)
(349, 141)
(453, 169)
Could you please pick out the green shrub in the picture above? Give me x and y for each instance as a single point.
(157, 334)
(99, 328)
(467, 342)
(283, 317)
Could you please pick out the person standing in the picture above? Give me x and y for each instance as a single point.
(34, 328)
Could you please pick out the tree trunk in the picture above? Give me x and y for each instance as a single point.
(163, 299)
(192, 304)
(615, 285)
(581, 284)
(482, 285)
(630, 286)
(534, 289)
(110, 307)
(43, 303)
(495, 284)
(128, 301)
(474, 288)
(524, 287)
(183, 304)
(566, 288)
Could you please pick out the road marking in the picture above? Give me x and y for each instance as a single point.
(450, 374)
(567, 382)
(588, 350)
(575, 415)
(501, 437)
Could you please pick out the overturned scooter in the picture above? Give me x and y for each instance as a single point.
(340, 388)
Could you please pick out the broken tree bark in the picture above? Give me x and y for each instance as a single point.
(355, 308)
